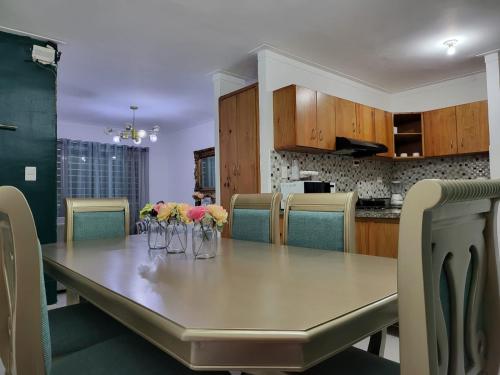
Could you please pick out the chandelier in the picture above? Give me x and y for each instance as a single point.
(131, 132)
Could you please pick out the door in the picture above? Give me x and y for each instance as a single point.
(440, 132)
(472, 127)
(345, 118)
(365, 123)
(247, 164)
(325, 121)
(305, 118)
(384, 132)
(227, 149)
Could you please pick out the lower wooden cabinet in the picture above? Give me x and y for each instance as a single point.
(377, 237)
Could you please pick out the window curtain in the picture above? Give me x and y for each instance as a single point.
(100, 170)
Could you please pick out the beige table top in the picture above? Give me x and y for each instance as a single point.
(249, 292)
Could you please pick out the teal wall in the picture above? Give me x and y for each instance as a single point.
(28, 101)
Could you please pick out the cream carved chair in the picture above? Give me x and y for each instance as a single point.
(255, 217)
(321, 221)
(89, 218)
(75, 340)
(448, 285)
(448, 278)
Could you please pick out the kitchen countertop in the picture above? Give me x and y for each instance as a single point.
(378, 213)
(374, 213)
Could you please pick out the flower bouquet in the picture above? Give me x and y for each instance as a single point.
(208, 220)
(176, 235)
(154, 215)
(198, 196)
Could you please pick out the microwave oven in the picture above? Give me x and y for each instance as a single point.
(304, 187)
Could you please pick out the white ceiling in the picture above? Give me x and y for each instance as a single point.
(158, 53)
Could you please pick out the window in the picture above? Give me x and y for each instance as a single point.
(99, 170)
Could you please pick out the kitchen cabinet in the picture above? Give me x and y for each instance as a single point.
(440, 132)
(378, 237)
(303, 119)
(472, 127)
(384, 132)
(345, 118)
(365, 122)
(462, 129)
(239, 144)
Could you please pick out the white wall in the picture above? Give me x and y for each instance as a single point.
(493, 83)
(440, 95)
(177, 169)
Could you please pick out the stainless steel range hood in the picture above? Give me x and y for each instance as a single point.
(358, 149)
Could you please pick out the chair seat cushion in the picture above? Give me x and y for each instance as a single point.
(76, 327)
(357, 362)
(127, 354)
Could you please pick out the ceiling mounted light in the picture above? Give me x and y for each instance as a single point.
(451, 46)
(130, 131)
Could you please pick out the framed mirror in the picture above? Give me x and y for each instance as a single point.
(204, 171)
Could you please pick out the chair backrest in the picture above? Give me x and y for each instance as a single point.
(448, 278)
(321, 221)
(90, 219)
(24, 333)
(255, 217)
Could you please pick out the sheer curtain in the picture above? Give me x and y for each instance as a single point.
(100, 170)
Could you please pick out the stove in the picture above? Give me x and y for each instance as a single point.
(374, 203)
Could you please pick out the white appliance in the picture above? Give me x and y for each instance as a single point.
(292, 187)
(396, 196)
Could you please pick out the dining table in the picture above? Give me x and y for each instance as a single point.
(255, 307)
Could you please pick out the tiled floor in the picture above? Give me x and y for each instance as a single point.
(391, 345)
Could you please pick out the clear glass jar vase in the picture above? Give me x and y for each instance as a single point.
(176, 237)
(204, 241)
(156, 234)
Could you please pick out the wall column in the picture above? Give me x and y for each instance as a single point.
(493, 87)
(223, 83)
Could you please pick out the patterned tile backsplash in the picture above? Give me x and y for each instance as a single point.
(372, 178)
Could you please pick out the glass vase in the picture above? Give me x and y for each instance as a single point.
(176, 237)
(156, 234)
(204, 241)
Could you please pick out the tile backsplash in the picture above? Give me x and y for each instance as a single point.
(372, 178)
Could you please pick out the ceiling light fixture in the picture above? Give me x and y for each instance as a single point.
(130, 131)
(451, 46)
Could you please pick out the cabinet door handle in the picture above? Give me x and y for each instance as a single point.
(235, 170)
(451, 144)
(462, 142)
(313, 134)
(321, 135)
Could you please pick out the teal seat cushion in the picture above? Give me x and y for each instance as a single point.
(126, 354)
(98, 225)
(318, 230)
(76, 327)
(251, 225)
(356, 362)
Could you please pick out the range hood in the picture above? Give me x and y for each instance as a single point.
(358, 149)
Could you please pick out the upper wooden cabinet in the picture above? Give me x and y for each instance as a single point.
(325, 120)
(303, 119)
(472, 127)
(440, 132)
(345, 118)
(462, 129)
(384, 132)
(365, 123)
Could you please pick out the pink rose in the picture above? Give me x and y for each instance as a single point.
(197, 213)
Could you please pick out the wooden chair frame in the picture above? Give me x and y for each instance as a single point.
(95, 205)
(264, 201)
(326, 202)
(447, 227)
(21, 347)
